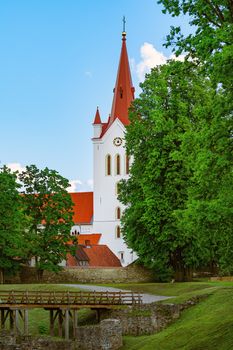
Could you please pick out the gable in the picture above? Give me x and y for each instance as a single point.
(83, 207)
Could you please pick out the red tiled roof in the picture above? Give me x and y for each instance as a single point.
(71, 260)
(98, 256)
(97, 119)
(93, 238)
(101, 256)
(123, 91)
(80, 254)
(83, 207)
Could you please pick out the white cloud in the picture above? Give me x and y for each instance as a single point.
(150, 57)
(175, 58)
(90, 183)
(16, 167)
(88, 74)
(74, 185)
(80, 186)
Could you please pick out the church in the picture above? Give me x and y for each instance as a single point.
(97, 214)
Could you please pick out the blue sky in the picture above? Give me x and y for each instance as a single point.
(58, 61)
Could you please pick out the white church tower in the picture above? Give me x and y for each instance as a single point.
(111, 163)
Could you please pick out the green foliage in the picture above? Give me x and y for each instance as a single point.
(169, 106)
(12, 223)
(211, 43)
(49, 207)
(208, 148)
(179, 198)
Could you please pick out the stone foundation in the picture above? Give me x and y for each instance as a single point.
(9, 342)
(148, 318)
(106, 335)
(145, 319)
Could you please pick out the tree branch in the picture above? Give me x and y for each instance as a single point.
(216, 10)
(210, 20)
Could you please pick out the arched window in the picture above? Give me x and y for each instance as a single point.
(127, 164)
(108, 164)
(118, 232)
(118, 213)
(118, 164)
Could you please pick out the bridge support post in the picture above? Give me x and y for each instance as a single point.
(15, 314)
(11, 316)
(60, 321)
(67, 324)
(25, 312)
(2, 319)
(75, 322)
(51, 323)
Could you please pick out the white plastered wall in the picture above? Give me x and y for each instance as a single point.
(105, 192)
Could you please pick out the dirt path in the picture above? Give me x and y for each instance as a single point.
(146, 298)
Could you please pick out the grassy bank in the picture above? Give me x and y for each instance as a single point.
(206, 326)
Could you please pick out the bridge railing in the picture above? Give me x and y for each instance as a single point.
(69, 298)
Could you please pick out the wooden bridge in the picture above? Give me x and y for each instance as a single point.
(62, 306)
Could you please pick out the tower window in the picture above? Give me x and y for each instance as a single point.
(121, 92)
(127, 164)
(108, 164)
(118, 232)
(118, 164)
(118, 213)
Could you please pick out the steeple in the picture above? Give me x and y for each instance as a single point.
(124, 90)
(97, 124)
(97, 119)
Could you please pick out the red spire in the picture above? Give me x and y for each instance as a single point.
(97, 119)
(124, 90)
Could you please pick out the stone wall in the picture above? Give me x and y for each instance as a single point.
(144, 319)
(223, 278)
(9, 342)
(106, 335)
(130, 274)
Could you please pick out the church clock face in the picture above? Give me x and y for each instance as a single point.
(117, 141)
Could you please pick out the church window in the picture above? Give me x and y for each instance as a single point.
(118, 213)
(127, 164)
(108, 164)
(118, 232)
(118, 164)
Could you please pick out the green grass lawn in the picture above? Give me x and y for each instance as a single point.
(206, 326)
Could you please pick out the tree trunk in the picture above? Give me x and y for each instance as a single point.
(183, 274)
(2, 276)
(39, 273)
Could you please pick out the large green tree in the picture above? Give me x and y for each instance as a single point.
(12, 224)
(208, 148)
(211, 41)
(170, 104)
(50, 209)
